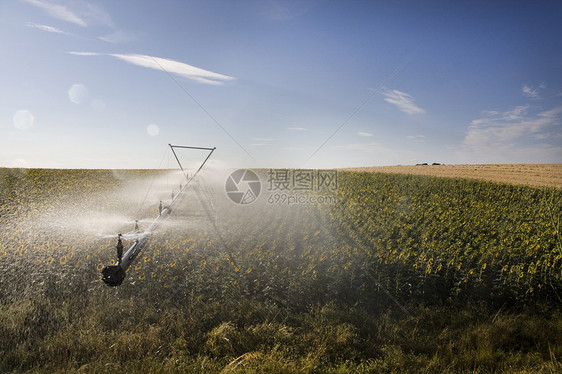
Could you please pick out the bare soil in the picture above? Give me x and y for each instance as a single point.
(536, 175)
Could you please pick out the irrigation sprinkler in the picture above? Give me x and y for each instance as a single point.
(113, 275)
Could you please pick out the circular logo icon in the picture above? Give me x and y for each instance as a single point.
(243, 186)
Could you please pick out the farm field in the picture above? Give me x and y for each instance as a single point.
(403, 273)
(535, 175)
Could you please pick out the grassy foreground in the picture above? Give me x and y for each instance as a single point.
(370, 284)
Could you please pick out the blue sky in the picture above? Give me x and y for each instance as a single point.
(296, 84)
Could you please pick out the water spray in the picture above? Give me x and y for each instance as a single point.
(113, 275)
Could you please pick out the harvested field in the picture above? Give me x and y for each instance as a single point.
(535, 175)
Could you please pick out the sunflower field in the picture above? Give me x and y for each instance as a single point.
(398, 273)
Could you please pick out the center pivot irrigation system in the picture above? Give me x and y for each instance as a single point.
(113, 275)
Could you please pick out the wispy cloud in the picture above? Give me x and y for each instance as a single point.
(118, 37)
(514, 130)
(532, 92)
(417, 138)
(360, 133)
(262, 139)
(403, 101)
(175, 67)
(78, 12)
(45, 28)
(85, 53)
(58, 11)
(509, 125)
(167, 65)
(296, 128)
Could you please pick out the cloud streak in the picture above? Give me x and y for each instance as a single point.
(514, 135)
(417, 138)
(170, 66)
(58, 11)
(85, 53)
(510, 125)
(45, 28)
(82, 13)
(532, 92)
(117, 37)
(403, 101)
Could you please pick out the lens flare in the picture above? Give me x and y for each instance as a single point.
(23, 119)
(152, 130)
(78, 94)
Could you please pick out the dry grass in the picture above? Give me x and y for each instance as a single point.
(535, 175)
